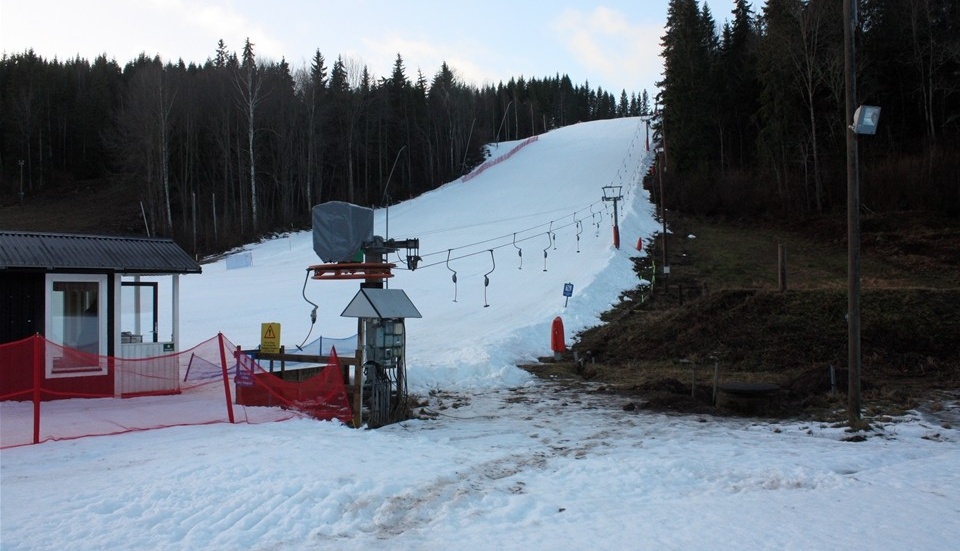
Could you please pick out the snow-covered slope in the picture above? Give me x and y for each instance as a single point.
(546, 198)
(508, 462)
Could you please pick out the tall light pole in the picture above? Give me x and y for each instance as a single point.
(663, 209)
(853, 218)
(861, 120)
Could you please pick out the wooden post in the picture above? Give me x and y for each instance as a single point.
(357, 394)
(853, 217)
(716, 379)
(693, 376)
(358, 376)
(693, 380)
(781, 267)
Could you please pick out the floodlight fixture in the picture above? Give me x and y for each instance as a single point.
(865, 119)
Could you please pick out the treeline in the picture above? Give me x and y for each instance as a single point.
(239, 146)
(753, 113)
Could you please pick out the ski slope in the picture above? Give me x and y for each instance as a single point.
(498, 224)
(507, 462)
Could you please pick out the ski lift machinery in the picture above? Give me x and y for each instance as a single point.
(343, 239)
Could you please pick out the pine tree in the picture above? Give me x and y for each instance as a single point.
(687, 95)
(737, 68)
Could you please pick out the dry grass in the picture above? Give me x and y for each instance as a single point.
(721, 305)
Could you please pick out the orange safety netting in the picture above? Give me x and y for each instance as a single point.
(49, 392)
(322, 395)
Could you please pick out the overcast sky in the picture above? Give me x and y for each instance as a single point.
(613, 44)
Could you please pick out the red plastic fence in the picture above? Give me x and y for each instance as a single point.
(48, 392)
(493, 162)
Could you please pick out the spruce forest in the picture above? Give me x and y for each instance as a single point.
(754, 115)
(239, 147)
(751, 122)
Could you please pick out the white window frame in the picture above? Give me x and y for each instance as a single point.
(102, 367)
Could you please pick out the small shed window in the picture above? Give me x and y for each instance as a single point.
(76, 319)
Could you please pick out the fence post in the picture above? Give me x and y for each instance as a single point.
(716, 378)
(38, 360)
(781, 267)
(226, 377)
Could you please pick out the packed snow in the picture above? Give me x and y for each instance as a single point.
(507, 461)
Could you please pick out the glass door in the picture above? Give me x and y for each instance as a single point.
(76, 318)
(139, 312)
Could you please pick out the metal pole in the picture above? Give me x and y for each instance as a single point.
(612, 193)
(663, 213)
(616, 220)
(383, 200)
(503, 120)
(616, 225)
(853, 217)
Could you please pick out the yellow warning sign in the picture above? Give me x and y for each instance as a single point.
(270, 338)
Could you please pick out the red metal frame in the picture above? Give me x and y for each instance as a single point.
(352, 270)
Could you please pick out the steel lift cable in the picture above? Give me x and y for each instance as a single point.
(313, 313)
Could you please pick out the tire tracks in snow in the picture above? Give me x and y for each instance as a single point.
(488, 485)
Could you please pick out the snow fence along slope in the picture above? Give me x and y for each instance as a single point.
(539, 201)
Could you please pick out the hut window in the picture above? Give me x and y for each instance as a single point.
(77, 320)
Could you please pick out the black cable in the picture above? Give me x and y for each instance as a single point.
(313, 313)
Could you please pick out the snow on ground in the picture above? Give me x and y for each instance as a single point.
(509, 462)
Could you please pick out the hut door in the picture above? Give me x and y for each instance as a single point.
(76, 317)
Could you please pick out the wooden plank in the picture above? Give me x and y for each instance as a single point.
(302, 358)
